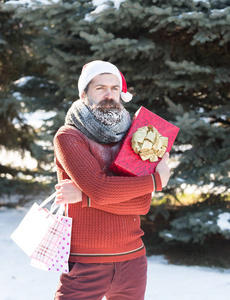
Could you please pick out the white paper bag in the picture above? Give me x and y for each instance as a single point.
(41, 233)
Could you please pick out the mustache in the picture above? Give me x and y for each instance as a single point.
(108, 103)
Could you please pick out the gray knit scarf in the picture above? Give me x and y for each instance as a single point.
(80, 116)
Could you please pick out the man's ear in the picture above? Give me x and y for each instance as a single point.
(83, 96)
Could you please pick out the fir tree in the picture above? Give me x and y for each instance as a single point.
(48, 55)
(175, 57)
(16, 66)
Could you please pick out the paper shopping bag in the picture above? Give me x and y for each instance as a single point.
(59, 262)
(34, 227)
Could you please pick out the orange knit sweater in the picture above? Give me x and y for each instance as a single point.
(106, 224)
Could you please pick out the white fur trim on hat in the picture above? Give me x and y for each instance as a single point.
(96, 67)
(126, 96)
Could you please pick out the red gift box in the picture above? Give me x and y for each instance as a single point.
(127, 162)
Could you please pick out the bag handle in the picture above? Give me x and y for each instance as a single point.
(60, 211)
(54, 205)
(47, 200)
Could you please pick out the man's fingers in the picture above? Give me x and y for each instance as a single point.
(57, 186)
(165, 158)
(65, 180)
(59, 201)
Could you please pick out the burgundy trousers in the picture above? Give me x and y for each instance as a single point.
(117, 281)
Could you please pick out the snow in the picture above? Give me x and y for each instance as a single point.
(180, 179)
(169, 235)
(20, 281)
(201, 1)
(23, 81)
(101, 4)
(220, 12)
(37, 118)
(18, 96)
(30, 2)
(15, 159)
(224, 221)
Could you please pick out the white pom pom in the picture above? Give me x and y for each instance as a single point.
(126, 96)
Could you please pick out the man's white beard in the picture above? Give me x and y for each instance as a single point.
(107, 115)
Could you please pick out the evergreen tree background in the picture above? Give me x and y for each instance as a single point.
(18, 65)
(175, 58)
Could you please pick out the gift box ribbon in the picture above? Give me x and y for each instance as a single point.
(149, 143)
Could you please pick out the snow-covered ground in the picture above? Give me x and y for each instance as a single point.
(20, 281)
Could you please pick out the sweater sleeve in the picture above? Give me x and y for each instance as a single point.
(74, 157)
(136, 206)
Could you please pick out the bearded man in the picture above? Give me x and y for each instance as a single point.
(108, 257)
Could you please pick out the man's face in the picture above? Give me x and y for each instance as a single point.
(103, 98)
(102, 87)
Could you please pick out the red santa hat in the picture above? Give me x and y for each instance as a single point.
(96, 67)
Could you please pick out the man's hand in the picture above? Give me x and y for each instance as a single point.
(163, 169)
(67, 192)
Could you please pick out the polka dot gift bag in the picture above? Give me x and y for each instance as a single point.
(59, 261)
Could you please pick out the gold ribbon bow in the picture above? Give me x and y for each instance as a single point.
(149, 143)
